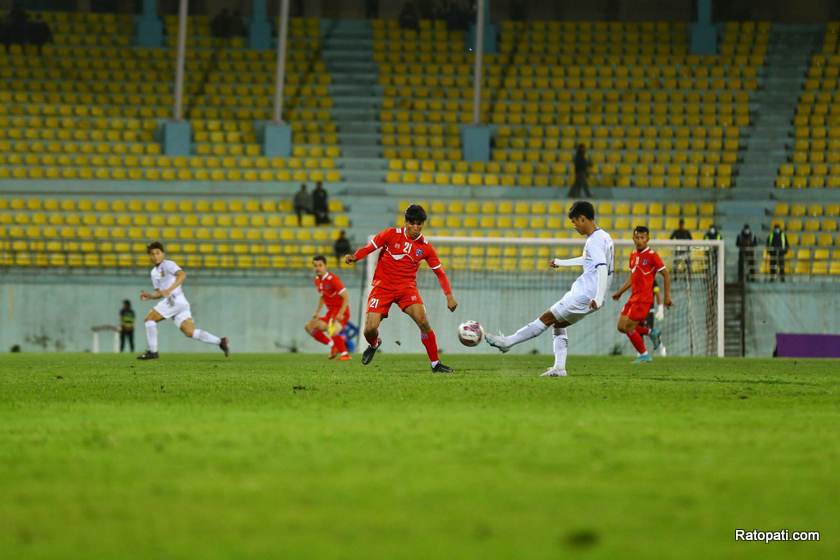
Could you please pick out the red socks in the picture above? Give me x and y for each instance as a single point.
(320, 337)
(636, 339)
(429, 340)
(339, 344)
(373, 339)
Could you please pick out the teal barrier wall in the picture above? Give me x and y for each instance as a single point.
(790, 308)
(56, 313)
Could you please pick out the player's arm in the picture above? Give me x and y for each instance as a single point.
(318, 309)
(434, 263)
(180, 276)
(557, 263)
(666, 281)
(624, 287)
(345, 303)
(375, 243)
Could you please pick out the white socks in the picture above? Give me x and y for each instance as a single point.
(205, 336)
(151, 335)
(561, 348)
(529, 331)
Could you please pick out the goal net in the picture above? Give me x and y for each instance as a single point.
(504, 283)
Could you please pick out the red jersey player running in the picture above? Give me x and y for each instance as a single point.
(334, 296)
(644, 264)
(395, 281)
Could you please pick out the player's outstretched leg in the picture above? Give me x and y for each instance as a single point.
(316, 329)
(340, 348)
(630, 327)
(427, 337)
(561, 347)
(151, 336)
(189, 330)
(372, 321)
(527, 332)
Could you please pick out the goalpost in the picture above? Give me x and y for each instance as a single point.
(505, 282)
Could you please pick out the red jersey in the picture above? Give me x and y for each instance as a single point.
(400, 258)
(644, 265)
(330, 287)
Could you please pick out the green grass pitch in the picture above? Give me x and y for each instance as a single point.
(293, 456)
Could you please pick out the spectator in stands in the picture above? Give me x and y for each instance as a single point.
(371, 9)
(39, 33)
(126, 325)
(237, 25)
(582, 165)
(302, 203)
(712, 233)
(408, 16)
(320, 204)
(777, 247)
(221, 25)
(746, 243)
(341, 247)
(681, 254)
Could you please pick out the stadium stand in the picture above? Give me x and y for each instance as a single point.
(222, 232)
(815, 161)
(88, 107)
(651, 114)
(812, 232)
(546, 220)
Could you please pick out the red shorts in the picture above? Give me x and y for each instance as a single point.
(636, 310)
(380, 299)
(343, 320)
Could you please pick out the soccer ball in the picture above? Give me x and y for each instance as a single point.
(470, 333)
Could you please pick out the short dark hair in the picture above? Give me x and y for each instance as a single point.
(154, 245)
(126, 302)
(321, 258)
(582, 208)
(415, 213)
(641, 229)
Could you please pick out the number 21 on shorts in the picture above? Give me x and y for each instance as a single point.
(374, 302)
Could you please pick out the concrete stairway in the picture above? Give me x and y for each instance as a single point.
(771, 133)
(357, 99)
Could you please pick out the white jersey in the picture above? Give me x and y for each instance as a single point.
(598, 251)
(163, 276)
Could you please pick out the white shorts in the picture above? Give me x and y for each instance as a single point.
(177, 309)
(572, 308)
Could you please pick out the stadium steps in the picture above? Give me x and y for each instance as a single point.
(348, 53)
(733, 320)
(767, 144)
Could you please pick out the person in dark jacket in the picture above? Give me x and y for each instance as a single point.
(777, 247)
(746, 243)
(681, 254)
(126, 325)
(582, 165)
(302, 203)
(341, 247)
(320, 204)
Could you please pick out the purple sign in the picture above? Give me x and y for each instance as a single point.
(807, 345)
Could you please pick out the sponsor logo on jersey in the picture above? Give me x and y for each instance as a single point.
(419, 252)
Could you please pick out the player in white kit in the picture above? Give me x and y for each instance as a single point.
(585, 296)
(167, 278)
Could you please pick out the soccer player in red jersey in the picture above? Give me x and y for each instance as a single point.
(644, 264)
(395, 281)
(327, 329)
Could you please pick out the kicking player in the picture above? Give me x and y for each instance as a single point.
(644, 264)
(395, 281)
(334, 295)
(167, 278)
(585, 296)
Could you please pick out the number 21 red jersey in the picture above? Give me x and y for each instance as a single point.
(400, 258)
